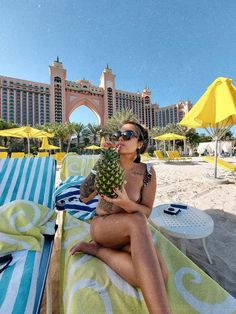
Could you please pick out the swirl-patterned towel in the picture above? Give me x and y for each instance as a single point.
(89, 286)
(22, 226)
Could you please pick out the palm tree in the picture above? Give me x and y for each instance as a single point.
(60, 132)
(86, 136)
(70, 130)
(118, 118)
(94, 130)
(7, 125)
(156, 131)
(78, 128)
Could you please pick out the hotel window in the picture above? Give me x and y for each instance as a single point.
(58, 99)
(110, 102)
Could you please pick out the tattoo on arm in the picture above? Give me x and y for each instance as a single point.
(88, 186)
(105, 205)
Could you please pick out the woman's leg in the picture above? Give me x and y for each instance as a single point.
(118, 230)
(119, 260)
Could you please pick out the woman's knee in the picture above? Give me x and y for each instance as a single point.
(138, 221)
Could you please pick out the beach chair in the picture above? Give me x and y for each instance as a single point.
(17, 155)
(26, 189)
(77, 165)
(145, 157)
(221, 163)
(59, 157)
(3, 155)
(160, 156)
(170, 154)
(88, 285)
(176, 155)
(42, 154)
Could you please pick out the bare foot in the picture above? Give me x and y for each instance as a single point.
(90, 248)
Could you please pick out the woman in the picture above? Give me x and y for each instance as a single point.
(122, 239)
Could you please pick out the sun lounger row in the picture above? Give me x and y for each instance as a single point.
(87, 285)
(58, 156)
(171, 156)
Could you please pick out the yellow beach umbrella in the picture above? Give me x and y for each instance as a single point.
(170, 137)
(92, 147)
(25, 132)
(215, 111)
(2, 147)
(47, 146)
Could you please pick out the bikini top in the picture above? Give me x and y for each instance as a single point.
(146, 179)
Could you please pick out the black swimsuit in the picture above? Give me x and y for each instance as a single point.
(146, 179)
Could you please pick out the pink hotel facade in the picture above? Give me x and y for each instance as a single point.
(25, 102)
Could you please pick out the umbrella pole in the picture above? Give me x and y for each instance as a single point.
(28, 145)
(173, 145)
(185, 147)
(216, 155)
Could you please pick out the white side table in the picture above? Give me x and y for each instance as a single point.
(190, 223)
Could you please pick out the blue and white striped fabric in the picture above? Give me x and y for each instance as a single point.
(28, 179)
(67, 197)
(18, 283)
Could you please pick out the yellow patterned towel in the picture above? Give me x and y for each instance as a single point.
(23, 224)
(77, 165)
(89, 286)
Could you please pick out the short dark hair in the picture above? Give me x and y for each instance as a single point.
(142, 134)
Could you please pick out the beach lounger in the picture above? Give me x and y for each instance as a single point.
(160, 156)
(145, 157)
(87, 285)
(59, 157)
(17, 155)
(42, 154)
(3, 155)
(221, 163)
(26, 207)
(176, 155)
(77, 165)
(90, 286)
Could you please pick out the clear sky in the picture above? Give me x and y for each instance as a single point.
(176, 47)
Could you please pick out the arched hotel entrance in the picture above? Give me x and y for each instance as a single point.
(92, 102)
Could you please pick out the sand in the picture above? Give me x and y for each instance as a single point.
(192, 183)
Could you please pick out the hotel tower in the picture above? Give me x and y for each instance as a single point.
(31, 103)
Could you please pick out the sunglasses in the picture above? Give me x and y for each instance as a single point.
(125, 135)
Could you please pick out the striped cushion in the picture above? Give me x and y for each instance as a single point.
(22, 282)
(27, 178)
(18, 283)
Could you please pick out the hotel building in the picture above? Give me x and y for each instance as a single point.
(25, 102)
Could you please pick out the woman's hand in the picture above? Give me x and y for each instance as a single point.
(121, 200)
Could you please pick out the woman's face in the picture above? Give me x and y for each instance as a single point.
(129, 146)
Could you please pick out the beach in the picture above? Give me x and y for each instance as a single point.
(190, 182)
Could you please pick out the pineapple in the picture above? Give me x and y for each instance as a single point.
(109, 175)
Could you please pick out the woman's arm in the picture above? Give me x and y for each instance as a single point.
(148, 196)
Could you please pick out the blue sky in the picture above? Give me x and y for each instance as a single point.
(176, 47)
